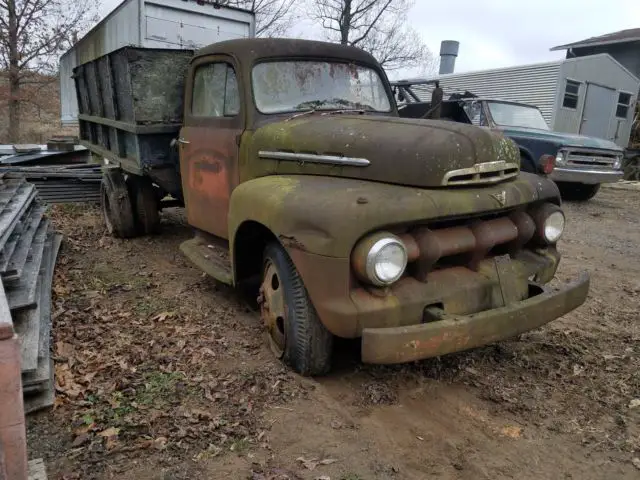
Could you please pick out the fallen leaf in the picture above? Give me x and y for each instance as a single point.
(64, 349)
(511, 431)
(110, 432)
(80, 440)
(636, 462)
(323, 477)
(161, 317)
(160, 443)
(84, 429)
(635, 403)
(110, 443)
(310, 464)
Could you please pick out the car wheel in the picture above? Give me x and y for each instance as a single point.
(578, 191)
(296, 334)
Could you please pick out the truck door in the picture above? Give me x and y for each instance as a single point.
(209, 142)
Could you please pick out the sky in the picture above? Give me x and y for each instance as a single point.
(503, 33)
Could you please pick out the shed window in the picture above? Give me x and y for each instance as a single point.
(215, 91)
(624, 100)
(571, 93)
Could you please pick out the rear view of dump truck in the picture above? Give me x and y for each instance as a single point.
(298, 177)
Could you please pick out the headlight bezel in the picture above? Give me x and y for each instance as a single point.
(541, 215)
(546, 227)
(366, 257)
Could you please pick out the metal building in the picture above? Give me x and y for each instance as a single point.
(623, 45)
(593, 95)
(188, 24)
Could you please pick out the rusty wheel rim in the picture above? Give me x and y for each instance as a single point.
(272, 308)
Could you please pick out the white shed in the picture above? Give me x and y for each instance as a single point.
(592, 95)
(187, 24)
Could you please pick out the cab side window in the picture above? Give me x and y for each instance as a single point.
(215, 91)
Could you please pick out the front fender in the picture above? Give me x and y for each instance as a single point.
(319, 219)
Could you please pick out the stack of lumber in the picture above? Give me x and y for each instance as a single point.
(61, 183)
(28, 251)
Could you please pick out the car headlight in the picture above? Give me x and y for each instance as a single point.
(380, 259)
(560, 158)
(549, 221)
(618, 163)
(553, 227)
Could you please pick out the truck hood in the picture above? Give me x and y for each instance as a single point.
(412, 152)
(562, 140)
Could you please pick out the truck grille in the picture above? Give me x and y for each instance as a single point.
(589, 158)
(467, 242)
(481, 173)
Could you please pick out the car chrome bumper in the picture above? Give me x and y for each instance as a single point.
(457, 333)
(589, 176)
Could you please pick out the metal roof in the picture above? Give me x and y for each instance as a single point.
(622, 36)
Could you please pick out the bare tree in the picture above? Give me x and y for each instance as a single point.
(273, 17)
(33, 34)
(377, 26)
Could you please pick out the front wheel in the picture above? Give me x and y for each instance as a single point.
(296, 334)
(578, 191)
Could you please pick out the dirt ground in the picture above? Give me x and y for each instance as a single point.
(163, 374)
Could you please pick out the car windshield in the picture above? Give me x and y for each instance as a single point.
(513, 115)
(297, 86)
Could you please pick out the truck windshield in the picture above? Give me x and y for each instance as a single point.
(292, 86)
(512, 115)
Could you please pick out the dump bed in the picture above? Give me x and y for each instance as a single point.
(130, 109)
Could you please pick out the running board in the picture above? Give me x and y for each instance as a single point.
(210, 258)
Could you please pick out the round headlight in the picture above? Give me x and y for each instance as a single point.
(617, 163)
(380, 259)
(386, 261)
(553, 227)
(560, 158)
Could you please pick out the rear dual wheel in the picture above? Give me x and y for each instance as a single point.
(116, 206)
(296, 334)
(145, 205)
(129, 208)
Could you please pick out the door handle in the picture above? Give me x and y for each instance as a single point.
(183, 141)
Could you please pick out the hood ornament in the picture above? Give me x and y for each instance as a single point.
(500, 197)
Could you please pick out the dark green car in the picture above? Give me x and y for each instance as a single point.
(577, 163)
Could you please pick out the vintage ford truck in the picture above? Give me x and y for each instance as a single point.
(420, 237)
(577, 163)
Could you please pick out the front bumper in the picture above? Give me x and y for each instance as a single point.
(590, 176)
(457, 333)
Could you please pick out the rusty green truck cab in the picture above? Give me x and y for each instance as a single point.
(421, 237)
(329, 180)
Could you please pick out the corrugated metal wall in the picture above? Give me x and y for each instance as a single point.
(602, 70)
(532, 84)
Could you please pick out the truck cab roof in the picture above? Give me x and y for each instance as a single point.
(250, 50)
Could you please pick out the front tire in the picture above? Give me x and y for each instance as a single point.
(296, 334)
(580, 192)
